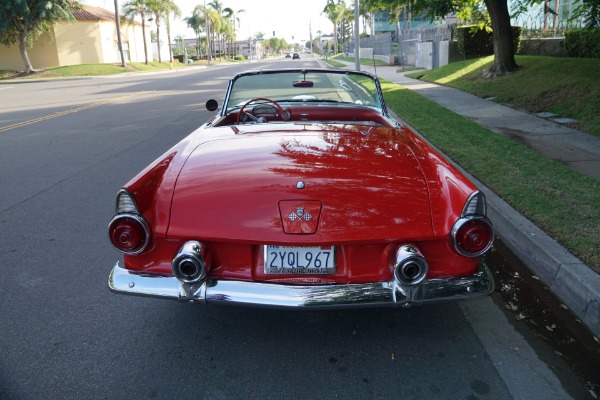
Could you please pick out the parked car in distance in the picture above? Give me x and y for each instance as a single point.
(296, 55)
(288, 55)
(302, 192)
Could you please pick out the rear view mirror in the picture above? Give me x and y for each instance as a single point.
(303, 84)
(212, 105)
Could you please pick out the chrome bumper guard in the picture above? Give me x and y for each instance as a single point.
(270, 295)
(258, 294)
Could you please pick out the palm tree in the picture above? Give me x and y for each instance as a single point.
(235, 19)
(228, 29)
(160, 9)
(227, 35)
(366, 11)
(196, 21)
(395, 12)
(171, 8)
(202, 13)
(216, 19)
(225, 24)
(132, 9)
(335, 13)
(347, 18)
(215, 26)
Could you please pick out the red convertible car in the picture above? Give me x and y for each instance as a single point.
(302, 191)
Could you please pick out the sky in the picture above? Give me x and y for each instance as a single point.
(286, 18)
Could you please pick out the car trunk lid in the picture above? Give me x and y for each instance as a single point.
(334, 184)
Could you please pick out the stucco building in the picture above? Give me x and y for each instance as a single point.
(90, 39)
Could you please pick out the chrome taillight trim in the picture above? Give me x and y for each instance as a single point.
(456, 227)
(145, 226)
(478, 197)
(125, 192)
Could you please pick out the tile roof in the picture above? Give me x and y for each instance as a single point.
(90, 13)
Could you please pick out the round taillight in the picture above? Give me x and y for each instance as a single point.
(472, 236)
(129, 233)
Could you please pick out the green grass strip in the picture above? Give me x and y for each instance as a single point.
(569, 87)
(335, 64)
(562, 202)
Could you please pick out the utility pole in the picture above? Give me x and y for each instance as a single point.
(356, 38)
(310, 36)
(118, 23)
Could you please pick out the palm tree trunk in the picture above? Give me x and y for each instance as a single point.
(170, 45)
(208, 44)
(144, 37)
(198, 50)
(335, 44)
(158, 39)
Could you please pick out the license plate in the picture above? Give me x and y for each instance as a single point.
(299, 260)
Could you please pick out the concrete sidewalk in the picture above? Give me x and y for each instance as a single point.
(577, 149)
(573, 282)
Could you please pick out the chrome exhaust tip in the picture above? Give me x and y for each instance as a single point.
(189, 265)
(410, 267)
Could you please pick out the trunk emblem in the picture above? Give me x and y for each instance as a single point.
(300, 216)
(300, 185)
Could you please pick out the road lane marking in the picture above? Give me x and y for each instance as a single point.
(73, 110)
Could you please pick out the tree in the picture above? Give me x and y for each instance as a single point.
(589, 11)
(196, 21)
(234, 19)
(214, 21)
(170, 8)
(135, 8)
(202, 13)
(504, 53)
(23, 21)
(162, 9)
(335, 13)
(217, 21)
(346, 27)
(366, 11)
(274, 44)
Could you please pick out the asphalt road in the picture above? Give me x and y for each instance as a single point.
(66, 147)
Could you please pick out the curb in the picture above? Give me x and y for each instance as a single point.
(573, 282)
(567, 277)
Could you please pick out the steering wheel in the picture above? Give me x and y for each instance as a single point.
(280, 112)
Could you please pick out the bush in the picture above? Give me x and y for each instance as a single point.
(240, 58)
(474, 42)
(583, 43)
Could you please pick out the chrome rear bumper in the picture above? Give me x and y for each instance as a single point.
(258, 294)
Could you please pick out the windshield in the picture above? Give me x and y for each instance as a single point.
(304, 86)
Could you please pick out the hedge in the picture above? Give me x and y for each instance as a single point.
(583, 43)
